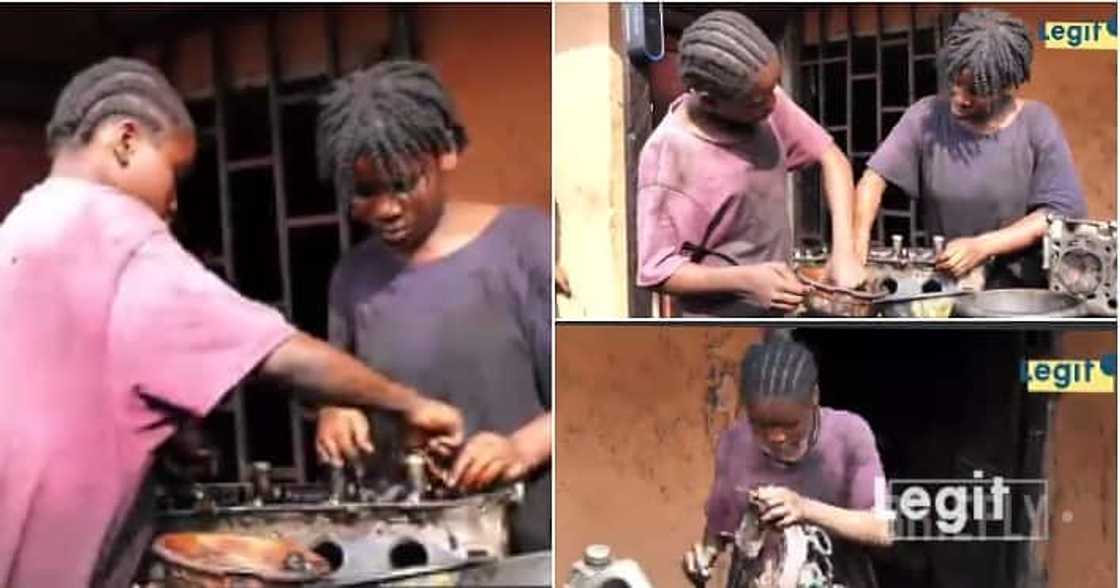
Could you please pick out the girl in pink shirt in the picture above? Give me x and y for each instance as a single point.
(113, 332)
(713, 220)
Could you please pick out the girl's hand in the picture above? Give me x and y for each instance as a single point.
(698, 563)
(962, 255)
(487, 458)
(780, 506)
(342, 434)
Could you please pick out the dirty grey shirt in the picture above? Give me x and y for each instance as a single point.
(473, 329)
(968, 183)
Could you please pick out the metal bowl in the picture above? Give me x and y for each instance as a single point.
(828, 300)
(926, 308)
(1020, 302)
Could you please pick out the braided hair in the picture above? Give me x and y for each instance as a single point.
(778, 369)
(115, 87)
(396, 112)
(995, 46)
(722, 53)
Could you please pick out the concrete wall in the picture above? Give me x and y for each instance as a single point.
(640, 411)
(1082, 465)
(641, 407)
(495, 59)
(590, 165)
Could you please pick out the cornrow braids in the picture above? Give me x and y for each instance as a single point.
(115, 87)
(722, 53)
(778, 369)
(396, 112)
(995, 46)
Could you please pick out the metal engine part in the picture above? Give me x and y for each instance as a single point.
(798, 556)
(908, 271)
(213, 560)
(1080, 259)
(366, 536)
(900, 271)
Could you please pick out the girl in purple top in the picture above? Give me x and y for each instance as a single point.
(801, 462)
(986, 167)
(713, 211)
(449, 296)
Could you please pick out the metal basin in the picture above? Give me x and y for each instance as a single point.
(828, 300)
(1022, 302)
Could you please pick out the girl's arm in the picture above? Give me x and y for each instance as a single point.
(861, 526)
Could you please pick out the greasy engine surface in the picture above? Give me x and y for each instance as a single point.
(367, 534)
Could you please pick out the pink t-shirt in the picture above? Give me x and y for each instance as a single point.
(733, 192)
(110, 329)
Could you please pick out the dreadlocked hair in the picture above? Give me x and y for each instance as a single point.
(995, 46)
(396, 112)
(722, 53)
(778, 369)
(115, 87)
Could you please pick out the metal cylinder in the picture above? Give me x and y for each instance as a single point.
(261, 472)
(597, 556)
(338, 484)
(896, 245)
(417, 476)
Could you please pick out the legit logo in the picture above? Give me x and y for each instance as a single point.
(1070, 375)
(1098, 34)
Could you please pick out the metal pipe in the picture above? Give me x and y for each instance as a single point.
(417, 476)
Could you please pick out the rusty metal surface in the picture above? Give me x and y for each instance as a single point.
(364, 541)
(222, 559)
(895, 276)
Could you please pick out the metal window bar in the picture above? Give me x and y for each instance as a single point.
(277, 101)
(334, 70)
(279, 186)
(916, 231)
(237, 402)
(912, 204)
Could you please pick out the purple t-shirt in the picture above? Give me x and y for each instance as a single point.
(473, 328)
(968, 183)
(840, 469)
(731, 191)
(111, 332)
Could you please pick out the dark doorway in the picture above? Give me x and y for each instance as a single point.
(942, 404)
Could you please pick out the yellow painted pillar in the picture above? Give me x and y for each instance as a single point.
(589, 160)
